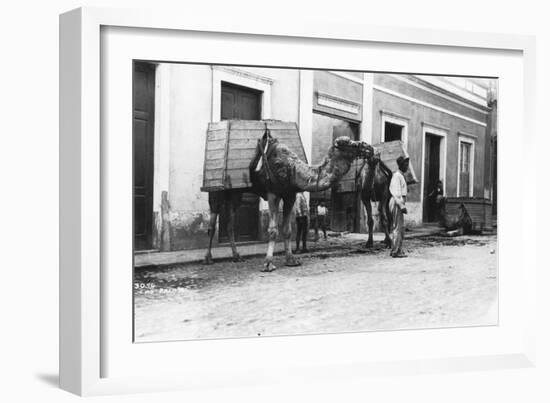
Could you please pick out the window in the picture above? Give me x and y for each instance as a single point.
(465, 186)
(393, 131)
(394, 127)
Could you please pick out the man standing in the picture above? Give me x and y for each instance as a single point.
(301, 210)
(398, 190)
(321, 220)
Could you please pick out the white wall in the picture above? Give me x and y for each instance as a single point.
(191, 105)
(285, 97)
(191, 93)
(188, 97)
(29, 169)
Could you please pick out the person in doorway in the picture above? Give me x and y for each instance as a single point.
(398, 191)
(301, 210)
(437, 201)
(321, 220)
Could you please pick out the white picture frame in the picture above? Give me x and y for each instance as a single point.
(85, 306)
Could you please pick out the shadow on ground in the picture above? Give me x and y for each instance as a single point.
(49, 379)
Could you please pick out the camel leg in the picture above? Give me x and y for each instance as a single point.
(273, 230)
(232, 211)
(287, 230)
(370, 221)
(383, 213)
(211, 232)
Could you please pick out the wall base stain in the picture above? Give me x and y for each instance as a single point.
(189, 230)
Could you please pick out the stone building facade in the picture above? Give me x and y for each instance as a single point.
(442, 121)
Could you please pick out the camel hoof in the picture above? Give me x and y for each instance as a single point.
(291, 261)
(237, 258)
(369, 244)
(208, 259)
(268, 266)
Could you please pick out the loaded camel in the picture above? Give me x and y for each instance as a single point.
(278, 174)
(374, 184)
(282, 176)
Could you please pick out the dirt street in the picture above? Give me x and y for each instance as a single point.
(340, 287)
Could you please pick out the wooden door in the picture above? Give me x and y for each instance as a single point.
(243, 104)
(143, 143)
(240, 103)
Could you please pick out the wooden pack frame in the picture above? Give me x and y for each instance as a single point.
(231, 146)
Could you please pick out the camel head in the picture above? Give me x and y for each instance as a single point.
(374, 158)
(351, 149)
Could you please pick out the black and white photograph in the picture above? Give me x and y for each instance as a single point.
(274, 201)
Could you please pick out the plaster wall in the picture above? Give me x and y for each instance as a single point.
(420, 117)
(190, 103)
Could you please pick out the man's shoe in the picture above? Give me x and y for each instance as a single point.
(305, 250)
(400, 254)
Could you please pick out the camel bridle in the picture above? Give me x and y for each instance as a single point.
(352, 148)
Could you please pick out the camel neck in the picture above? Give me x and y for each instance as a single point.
(333, 168)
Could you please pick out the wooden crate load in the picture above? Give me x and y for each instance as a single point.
(479, 209)
(231, 146)
(389, 152)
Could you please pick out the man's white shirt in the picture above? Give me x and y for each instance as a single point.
(398, 185)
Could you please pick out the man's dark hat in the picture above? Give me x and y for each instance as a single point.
(401, 160)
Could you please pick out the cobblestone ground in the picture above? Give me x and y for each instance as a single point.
(339, 287)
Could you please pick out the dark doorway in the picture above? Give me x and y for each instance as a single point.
(344, 128)
(392, 131)
(243, 104)
(143, 143)
(432, 174)
(342, 200)
(345, 212)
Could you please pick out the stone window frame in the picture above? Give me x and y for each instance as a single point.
(397, 119)
(469, 139)
(243, 78)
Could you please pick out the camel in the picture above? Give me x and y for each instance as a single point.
(278, 174)
(374, 181)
